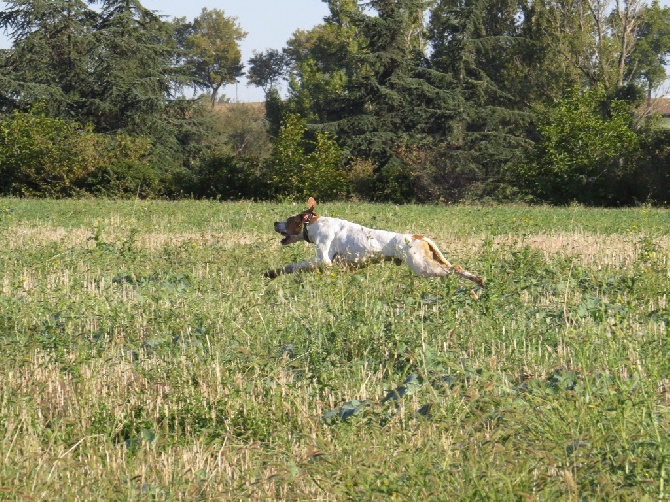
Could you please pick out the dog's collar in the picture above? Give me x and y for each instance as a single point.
(304, 228)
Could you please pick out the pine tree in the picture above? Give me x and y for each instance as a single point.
(133, 68)
(473, 44)
(49, 60)
(385, 94)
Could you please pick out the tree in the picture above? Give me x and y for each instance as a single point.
(583, 155)
(112, 68)
(384, 95)
(649, 58)
(215, 56)
(132, 69)
(300, 167)
(320, 61)
(267, 68)
(594, 37)
(484, 125)
(49, 59)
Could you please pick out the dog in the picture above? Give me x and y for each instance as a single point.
(342, 241)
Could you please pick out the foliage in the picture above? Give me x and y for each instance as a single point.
(132, 75)
(49, 61)
(652, 47)
(453, 119)
(47, 157)
(585, 151)
(385, 98)
(214, 52)
(112, 67)
(241, 130)
(384, 101)
(41, 155)
(267, 68)
(321, 62)
(124, 166)
(226, 177)
(299, 167)
(650, 181)
(439, 100)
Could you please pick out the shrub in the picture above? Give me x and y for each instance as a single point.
(394, 182)
(42, 156)
(299, 167)
(585, 151)
(227, 177)
(122, 166)
(651, 180)
(49, 157)
(362, 178)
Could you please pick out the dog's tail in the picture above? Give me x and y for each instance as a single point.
(448, 267)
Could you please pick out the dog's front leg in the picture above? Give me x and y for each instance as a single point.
(307, 266)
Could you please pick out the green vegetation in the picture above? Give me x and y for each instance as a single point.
(145, 356)
(401, 100)
(584, 156)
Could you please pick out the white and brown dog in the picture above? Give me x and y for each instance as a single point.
(341, 241)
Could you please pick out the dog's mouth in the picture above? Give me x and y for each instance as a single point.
(285, 230)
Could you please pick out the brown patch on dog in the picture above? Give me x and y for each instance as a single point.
(432, 251)
(294, 224)
(417, 237)
(437, 256)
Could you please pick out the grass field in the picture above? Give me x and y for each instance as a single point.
(144, 356)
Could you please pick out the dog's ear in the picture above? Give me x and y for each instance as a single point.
(311, 203)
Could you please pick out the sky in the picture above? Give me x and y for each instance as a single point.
(269, 24)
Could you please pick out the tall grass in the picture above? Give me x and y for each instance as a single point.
(145, 356)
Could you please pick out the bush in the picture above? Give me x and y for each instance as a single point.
(393, 182)
(47, 157)
(651, 180)
(227, 177)
(585, 152)
(123, 167)
(299, 167)
(42, 156)
(362, 178)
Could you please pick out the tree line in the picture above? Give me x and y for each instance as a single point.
(400, 100)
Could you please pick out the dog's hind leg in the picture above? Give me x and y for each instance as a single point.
(425, 258)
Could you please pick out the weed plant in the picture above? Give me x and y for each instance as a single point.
(145, 357)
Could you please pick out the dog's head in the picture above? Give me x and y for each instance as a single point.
(292, 228)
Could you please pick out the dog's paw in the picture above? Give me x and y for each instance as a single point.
(272, 274)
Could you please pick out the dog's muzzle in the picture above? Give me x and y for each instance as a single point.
(280, 227)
